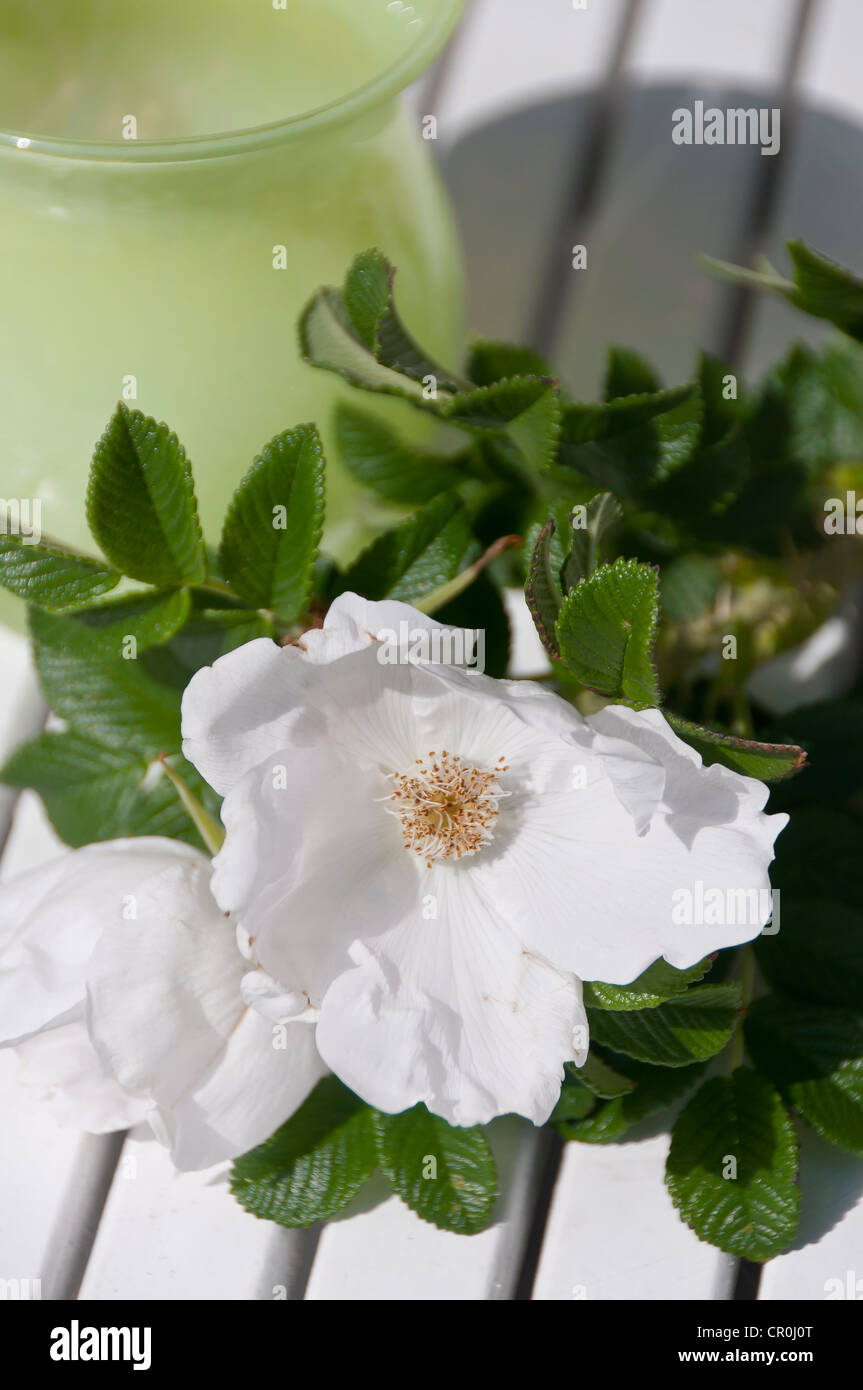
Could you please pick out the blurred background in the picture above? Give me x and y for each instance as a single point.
(555, 130)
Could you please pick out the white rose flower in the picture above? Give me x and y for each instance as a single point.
(120, 988)
(427, 861)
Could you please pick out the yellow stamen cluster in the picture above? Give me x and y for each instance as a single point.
(446, 807)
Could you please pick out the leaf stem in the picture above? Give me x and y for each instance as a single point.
(209, 829)
(447, 592)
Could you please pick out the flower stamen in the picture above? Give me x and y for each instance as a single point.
(446, 807)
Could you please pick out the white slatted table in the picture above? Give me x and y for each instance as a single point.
(554, 129)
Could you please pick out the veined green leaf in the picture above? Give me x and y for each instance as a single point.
(659, 983)
(446, 1175)
(606, 631)
(689, 1028)
(273, 526)
(141, 503)
(420, 555)
(52, 577)
(314, 1165)
(814, 1054)
(732, 1166)
(769, 762)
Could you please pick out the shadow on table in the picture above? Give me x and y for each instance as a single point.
(530, 184)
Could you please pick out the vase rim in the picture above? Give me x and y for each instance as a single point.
(437, 28)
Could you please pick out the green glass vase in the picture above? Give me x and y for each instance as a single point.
(175, 183)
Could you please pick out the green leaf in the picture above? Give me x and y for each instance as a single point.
(815, 1056)
(820, 287)
(751, 1214)
(111, 699)
(526, 409)
(589, 526)
(314, 1165)
(141, 503)
(93, 792)
(371, 308)
(721, 413)
(689, 1028)
(541, 591)
(208, 634)
(606, 630)
(367, 296)
(124, 627)
(629, 374)
(769, 762)
(602, 1079)
(327, 341)
(576, 1102)
(357, 332)
(826, 290)
(607, 1121)
(446, 1175)
(490, 362)
(627, 445)
(422, 554)
(51, 577)
(273, 526)
(823, 395)
(380, 460)
(817, 954)
(659, 982)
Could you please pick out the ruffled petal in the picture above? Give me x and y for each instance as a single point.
(310, 863)
(60, 1067)
(167, 1018)
(451, 1010)
(605, 900)
(51, 919)
(260, 1076)
(235, 712)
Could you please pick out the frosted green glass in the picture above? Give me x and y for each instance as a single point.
(147, 269)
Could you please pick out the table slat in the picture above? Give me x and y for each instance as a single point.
(612, 1232)
(389, 1253)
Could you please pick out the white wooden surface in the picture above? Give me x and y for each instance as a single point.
(611, 1232)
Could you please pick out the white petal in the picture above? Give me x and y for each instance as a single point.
(52, 917)
(307, 867)
(273, 1002)
(63, 1071)
(636, 773)
(240, 708)
(453, 1011)
(167, 1018)
(259, 1078)
(602, 898)
(250, 701)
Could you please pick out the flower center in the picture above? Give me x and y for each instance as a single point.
(446, 807)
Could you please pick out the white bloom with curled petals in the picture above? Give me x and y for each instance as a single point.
(427, 861)
(121, 989)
